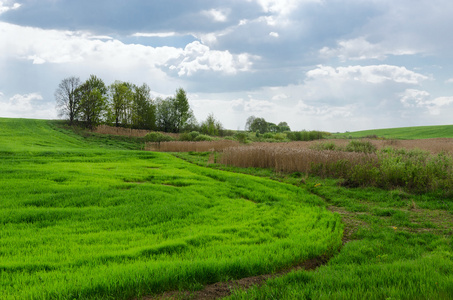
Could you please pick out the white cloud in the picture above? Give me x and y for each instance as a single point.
(280, 97)
(198, 57)
(422, 99)
(29, 105)
(274, 34)
(370, 74)
(156, 34)
(216, 14)
(282, 7)
(360, 49)
(8, 5)
(52, 46)
(324, 112)
(253, 106)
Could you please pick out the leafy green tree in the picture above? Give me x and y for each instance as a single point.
(173, 114)
(211, 126)
(68, 101)
(143, 108)
(182, 111)
(283, 126)
(249, 122)
(165, 118)
(121, 97)
(259, 124)
(271, 127)
(93, 103)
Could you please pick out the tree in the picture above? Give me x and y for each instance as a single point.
(143, 108)
(165, 118)
(271, 127)
(211, 126)
(283, 126)
(68, 102)
(249, 122)
(182, 111)
(121, 97)
(257, 124)
(93, 103)
(174, 114)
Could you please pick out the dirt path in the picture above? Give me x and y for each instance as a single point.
(224, 289)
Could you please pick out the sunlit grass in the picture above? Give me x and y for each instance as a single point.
(77, 221)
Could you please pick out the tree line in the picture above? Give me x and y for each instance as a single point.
(122, 104)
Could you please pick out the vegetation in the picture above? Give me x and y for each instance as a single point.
(397, 245)
(122, 104)
(260, 125)
(417, 132)
(357, 164)
(84, 218)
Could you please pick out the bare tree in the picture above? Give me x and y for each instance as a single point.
(68, 101)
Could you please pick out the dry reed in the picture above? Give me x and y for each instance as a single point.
(105, 129)
(284, 158)
(202, 146)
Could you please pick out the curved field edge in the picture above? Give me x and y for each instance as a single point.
(397, 245)
(416, 132)
(80, 222)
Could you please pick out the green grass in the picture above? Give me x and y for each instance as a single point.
(418, 132)
(83, 217)
(399, 245)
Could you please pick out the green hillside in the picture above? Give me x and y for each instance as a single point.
(419, 132)
(88, 220)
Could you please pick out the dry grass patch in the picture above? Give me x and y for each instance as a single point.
(204, 146)
(105, 129)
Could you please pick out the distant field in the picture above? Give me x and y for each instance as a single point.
(90, 220)
(420, 132)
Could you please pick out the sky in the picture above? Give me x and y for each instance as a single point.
(332, 65)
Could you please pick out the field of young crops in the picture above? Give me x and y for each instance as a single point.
(416, 132)
(90, 220)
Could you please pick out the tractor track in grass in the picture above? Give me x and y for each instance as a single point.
(223, 289)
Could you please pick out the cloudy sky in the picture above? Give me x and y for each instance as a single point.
(334, 65)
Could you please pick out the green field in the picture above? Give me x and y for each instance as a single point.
(419, 132)
(87, 218)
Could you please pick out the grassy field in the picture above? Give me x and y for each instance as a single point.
(85, 217)
(397, 245)
(419, 132)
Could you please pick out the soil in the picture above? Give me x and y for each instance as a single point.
(224, 289)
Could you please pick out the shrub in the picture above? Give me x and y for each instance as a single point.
(241, 137)
(202, 137)
(323, 146)
(268, 135)
(157, 137)
(361, 146)
(193, 135)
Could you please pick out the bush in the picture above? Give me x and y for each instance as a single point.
(157, 137)
(241, 137)
(203, 138)
(361, 146)
(323, 146)
(306, 135)
(280, 136)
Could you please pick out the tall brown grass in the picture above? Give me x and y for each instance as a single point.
(105, 129)
(408, 167)
(179, 146)
(284, 158)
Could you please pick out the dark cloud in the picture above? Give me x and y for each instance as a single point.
(127, 17)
